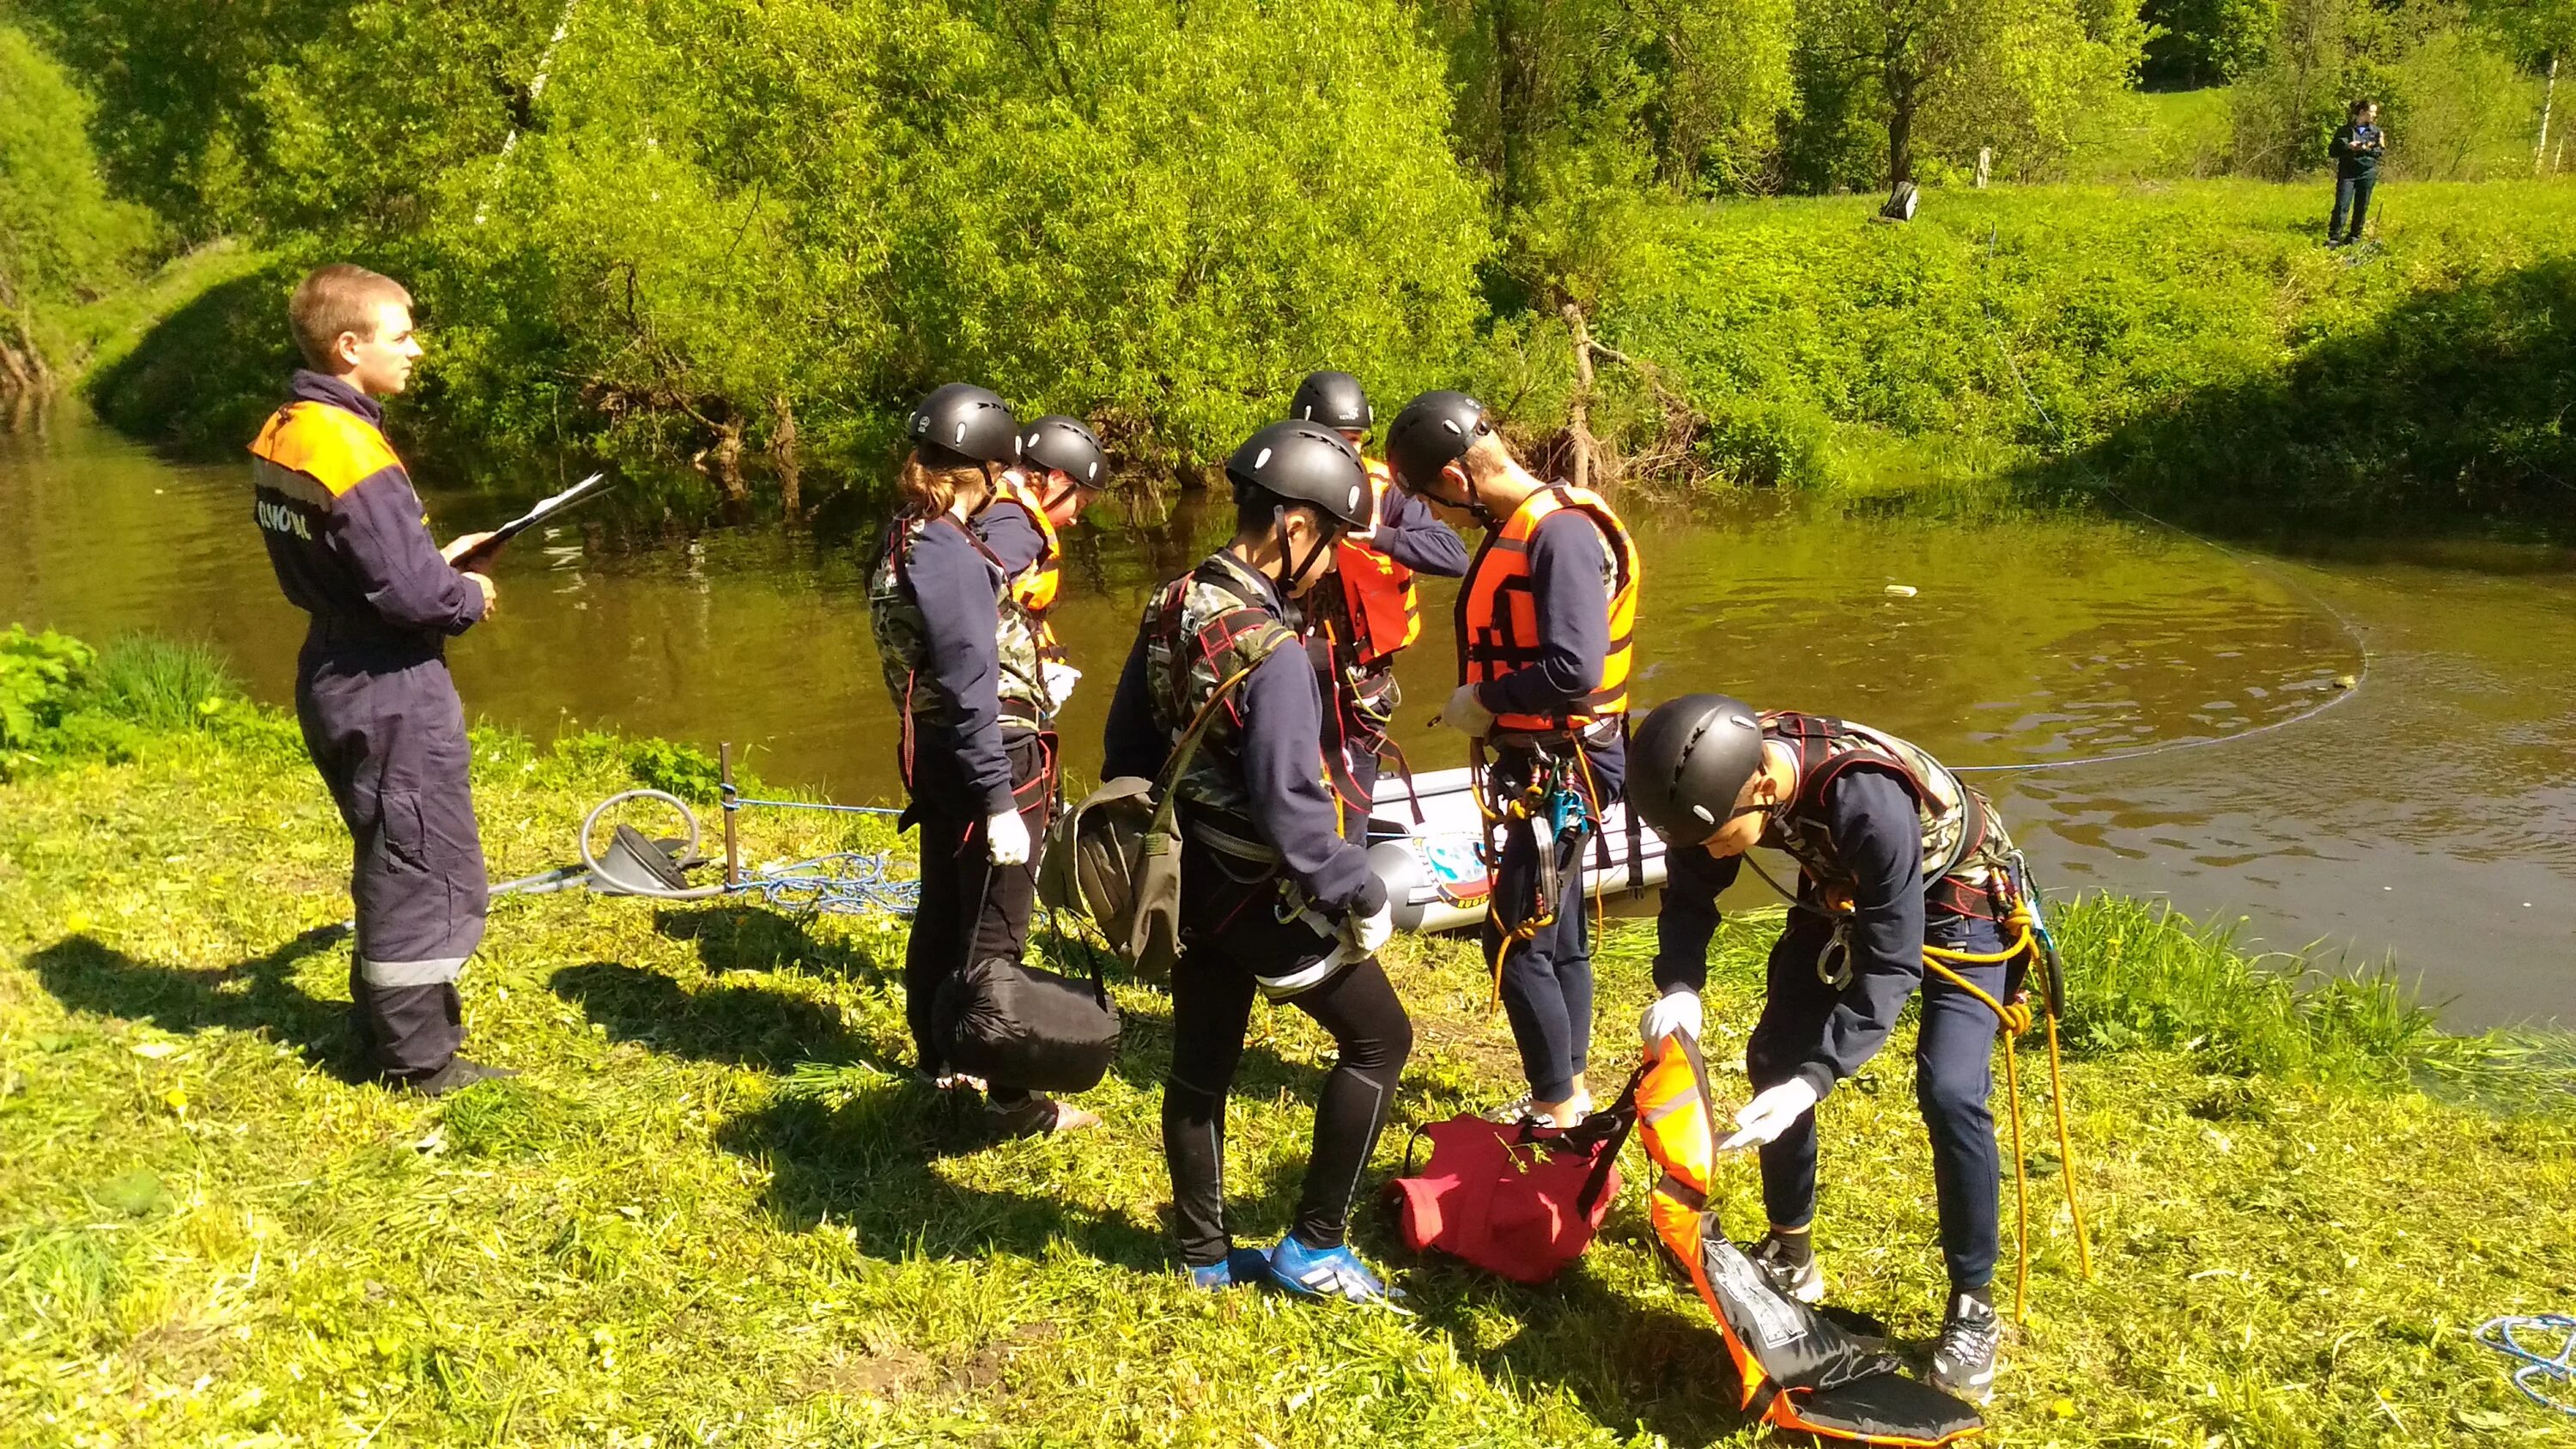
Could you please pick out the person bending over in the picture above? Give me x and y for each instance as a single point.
(1894, 853)
(1275, 901)
(1061, 469)
(1372, 614)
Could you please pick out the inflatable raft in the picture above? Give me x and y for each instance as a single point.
(1435, 870)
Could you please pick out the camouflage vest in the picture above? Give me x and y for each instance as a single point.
(1200, 630)
(903, 635)
(1964, 844)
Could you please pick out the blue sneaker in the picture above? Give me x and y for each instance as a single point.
(1242, 1268)
(1326, 1273)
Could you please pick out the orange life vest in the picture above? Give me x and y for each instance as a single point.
(1035, 585)
(1385, 616)
(1498, 629)
(1034, 588)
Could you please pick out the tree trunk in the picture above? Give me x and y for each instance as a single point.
(1900, 131)
(1578, 412)
(782, 456)
(2548, 96)
(728, 461)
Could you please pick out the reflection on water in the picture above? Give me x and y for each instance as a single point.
(2417, 819)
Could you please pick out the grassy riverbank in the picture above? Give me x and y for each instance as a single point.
(711, 1211)
(2191, 343)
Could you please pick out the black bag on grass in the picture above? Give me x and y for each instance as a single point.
(1017, 1026)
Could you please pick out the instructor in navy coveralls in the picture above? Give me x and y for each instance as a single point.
(351, 547)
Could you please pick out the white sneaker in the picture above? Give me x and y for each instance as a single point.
(1524, 1108)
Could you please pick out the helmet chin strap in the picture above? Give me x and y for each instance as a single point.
(1469, 504)
(1296, 567)
(989, 490)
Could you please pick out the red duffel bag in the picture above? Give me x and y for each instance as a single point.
(1518, 1200)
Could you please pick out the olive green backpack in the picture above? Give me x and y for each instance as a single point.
(1115, 859)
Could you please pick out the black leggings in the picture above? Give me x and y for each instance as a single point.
(1212, 991)
(971, 909)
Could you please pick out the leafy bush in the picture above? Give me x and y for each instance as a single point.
(39, 673)
(706, 227)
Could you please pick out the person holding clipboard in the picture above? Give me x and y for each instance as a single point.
(351, 547)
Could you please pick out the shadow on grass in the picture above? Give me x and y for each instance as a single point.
(256, 994)
(866, 1162)
(741, 1025)
(757, 938)
(2455, 407)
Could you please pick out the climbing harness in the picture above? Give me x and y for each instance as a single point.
(2031, 947)
(2547, 1379)
(841, 882)
(1558, 811)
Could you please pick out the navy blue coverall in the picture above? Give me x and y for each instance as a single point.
(1231, 936)
(1547, 980)
(351, 548)
(1812, 1030)
(972, 764)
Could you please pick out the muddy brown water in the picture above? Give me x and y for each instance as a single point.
(2428, 820)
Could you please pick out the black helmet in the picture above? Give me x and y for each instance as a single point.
(1433, 431)
(965, 420)
(1304, 463)
(1066, 445)
(1688, 763)
(1334, 399)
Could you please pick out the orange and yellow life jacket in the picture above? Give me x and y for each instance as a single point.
(1798, 1370)
(1498, 627)
(1035, 585)
(1034, 588)
(1385, 615)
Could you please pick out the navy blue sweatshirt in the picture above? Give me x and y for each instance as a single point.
(957, 588)
(1570, 579)
(345, 530)
(1280, 750)
(1008, 531)
(1412, 535)
(1878, 835)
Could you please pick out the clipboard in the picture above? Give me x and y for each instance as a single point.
(544, 510)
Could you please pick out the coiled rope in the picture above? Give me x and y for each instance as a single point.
(2536, 1368)
(841, 882)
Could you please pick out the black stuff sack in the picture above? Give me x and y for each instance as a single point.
(1017, 1026)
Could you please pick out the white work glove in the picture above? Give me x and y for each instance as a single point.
(1364, 934)
(1466, 713)
(1007, 836)
(1677, 1012)
(1770, 1113)
(1060, 679)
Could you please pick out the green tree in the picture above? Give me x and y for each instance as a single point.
(2205, 42)
(1944, 78)
(63, 239)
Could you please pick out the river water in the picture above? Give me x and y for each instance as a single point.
(2428, 819)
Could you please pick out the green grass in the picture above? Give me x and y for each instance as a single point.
(2187, 341)
(712, 1212)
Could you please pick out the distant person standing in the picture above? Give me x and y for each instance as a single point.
(351, 546)
(2358, 144)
